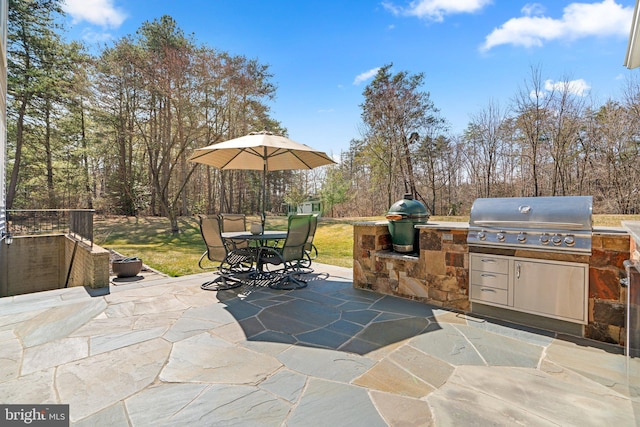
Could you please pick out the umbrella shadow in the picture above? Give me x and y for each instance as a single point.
(329, 313)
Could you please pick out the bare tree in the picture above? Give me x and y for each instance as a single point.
(564, 125)
(531, 105)
(485, 138)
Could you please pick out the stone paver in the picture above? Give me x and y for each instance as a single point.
(392, 378)
(162, 352)
(54, 354)
(96, 382)
(58, 322)
(208, 359)
(335, 404)
(402, 411)
(515, 396)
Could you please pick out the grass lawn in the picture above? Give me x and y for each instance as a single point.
(149, 238)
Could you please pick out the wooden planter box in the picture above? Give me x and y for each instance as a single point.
(126, 267)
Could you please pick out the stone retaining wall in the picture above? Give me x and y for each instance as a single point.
(42, 263)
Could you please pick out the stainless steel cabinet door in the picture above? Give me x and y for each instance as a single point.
(553, 289)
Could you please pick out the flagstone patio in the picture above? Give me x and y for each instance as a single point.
(160, 351)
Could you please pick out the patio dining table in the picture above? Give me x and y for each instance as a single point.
(261, 238)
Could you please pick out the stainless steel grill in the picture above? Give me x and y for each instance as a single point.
(557, 224)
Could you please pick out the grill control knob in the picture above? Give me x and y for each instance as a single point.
(544, 239)
(500, 236)
(482, 235)
(556, 239)
(522, 237)
(569, 240)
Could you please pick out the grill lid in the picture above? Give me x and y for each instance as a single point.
(542, 213)
(561, 224)
(408, 208)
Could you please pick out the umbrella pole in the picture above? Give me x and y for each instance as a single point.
(264, 189)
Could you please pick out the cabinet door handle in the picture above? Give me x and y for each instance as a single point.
(488, 260)
(518, 270)
(487, 275)
(487, 290)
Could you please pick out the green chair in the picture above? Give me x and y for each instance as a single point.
(310, 250)
(286, 259)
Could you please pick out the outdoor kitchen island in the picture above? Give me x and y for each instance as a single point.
(438, 274)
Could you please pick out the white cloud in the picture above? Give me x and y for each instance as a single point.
(95, 37)
(577, 87)
(578, 20)
(97, 12)
(532, 9)
(363, 77)
(435, 10)
(536, 94)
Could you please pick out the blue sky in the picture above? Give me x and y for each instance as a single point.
(324, 53)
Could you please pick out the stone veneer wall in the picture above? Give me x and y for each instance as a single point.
(440, 274)
(607, 297)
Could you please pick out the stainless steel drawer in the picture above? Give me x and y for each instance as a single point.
(490, 295)
(488, 279)
(489, 263)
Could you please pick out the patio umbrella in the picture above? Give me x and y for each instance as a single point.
(263, 151)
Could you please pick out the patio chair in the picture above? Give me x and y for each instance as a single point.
(287, 257)
(231, 260)
(310, 250)
(234, 222)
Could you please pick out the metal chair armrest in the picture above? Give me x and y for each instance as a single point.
(204, 255)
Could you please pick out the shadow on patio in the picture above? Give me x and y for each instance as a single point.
(327, 314)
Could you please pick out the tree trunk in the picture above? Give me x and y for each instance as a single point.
(11, 191)
(49, 157)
